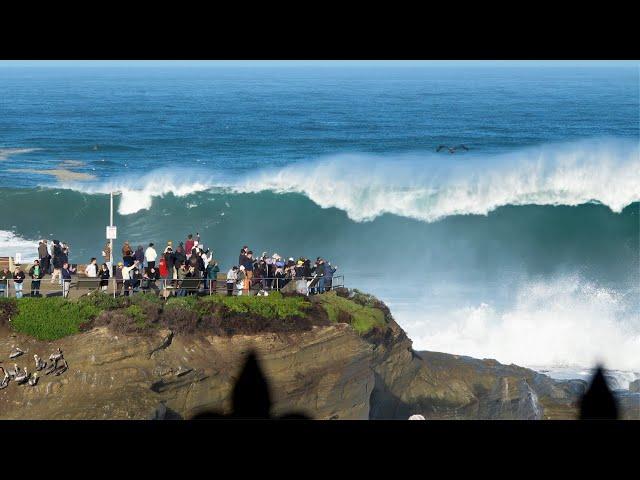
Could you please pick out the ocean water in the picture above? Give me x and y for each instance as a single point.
(524, 248)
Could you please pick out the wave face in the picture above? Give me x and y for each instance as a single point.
(530, 284)
(426, 187)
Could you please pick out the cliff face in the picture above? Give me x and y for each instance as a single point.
(324, 373)
(329, 372)
(444, 386)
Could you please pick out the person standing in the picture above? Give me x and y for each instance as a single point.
(169, 260)
(91, 269)
(65, 273)
(119, 277)
(104, 277)
(43, 253)
(18, 278)
(5, 276)
(188, 245)
(36, 273)
(212, 275)
(329, 271)
(248, 270)
(127, 254)
(138, 256)
(106, 256)
(57, 261)
(232, 276)
(150, 255)
(240, 280)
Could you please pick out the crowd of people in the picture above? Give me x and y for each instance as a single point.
(142, 269)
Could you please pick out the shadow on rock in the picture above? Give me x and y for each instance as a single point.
(251, 396)
(598, 401)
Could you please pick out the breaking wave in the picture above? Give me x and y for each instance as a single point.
(425, 187)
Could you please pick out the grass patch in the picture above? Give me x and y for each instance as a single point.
(275, 306)
(362, 318)
(51, 318)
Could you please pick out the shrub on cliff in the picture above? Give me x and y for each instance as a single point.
(51, 318)
(362, 316)
(274, 306)
(8, 310)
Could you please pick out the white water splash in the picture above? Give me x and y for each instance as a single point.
(559, 322)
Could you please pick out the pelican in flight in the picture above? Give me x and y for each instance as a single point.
(452, 149)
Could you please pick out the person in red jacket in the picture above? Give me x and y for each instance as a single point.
(188, 245)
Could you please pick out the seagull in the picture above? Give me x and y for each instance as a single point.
(40, 364)
(16, 352)
(23, 377)
(33, 380)
(56, 356)
(451, 149)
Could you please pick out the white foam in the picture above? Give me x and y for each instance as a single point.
(432, 186)
(5, 153)
(10, 244)
(425, 187)
(565, 321)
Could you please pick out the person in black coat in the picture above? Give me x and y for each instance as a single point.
(36, 273)
(57, 260)
(104, 277)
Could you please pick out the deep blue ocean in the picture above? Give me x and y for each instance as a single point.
(525, 248)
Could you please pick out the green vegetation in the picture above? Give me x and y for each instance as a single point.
(55, 317)
(363, 318)
(274, 306)
(51, 318)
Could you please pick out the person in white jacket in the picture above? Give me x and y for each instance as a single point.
(91, 270)
(232, 276)
(150, 256)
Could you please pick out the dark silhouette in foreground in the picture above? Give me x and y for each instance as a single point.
(598, 401)
(251, 396)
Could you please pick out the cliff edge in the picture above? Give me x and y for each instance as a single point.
(351, 361)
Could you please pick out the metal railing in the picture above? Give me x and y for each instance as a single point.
(169, 287)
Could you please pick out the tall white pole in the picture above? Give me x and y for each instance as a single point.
(113, 270)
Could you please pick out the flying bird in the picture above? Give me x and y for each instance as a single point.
(452, 149)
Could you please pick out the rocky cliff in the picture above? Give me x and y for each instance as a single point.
(327, 372)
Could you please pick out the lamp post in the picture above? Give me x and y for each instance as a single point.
(110, 237)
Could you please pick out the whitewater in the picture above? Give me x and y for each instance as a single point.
(426, 186)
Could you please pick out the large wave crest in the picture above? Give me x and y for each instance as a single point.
(425, 187)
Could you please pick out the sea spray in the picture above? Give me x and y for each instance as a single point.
(563, 321)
